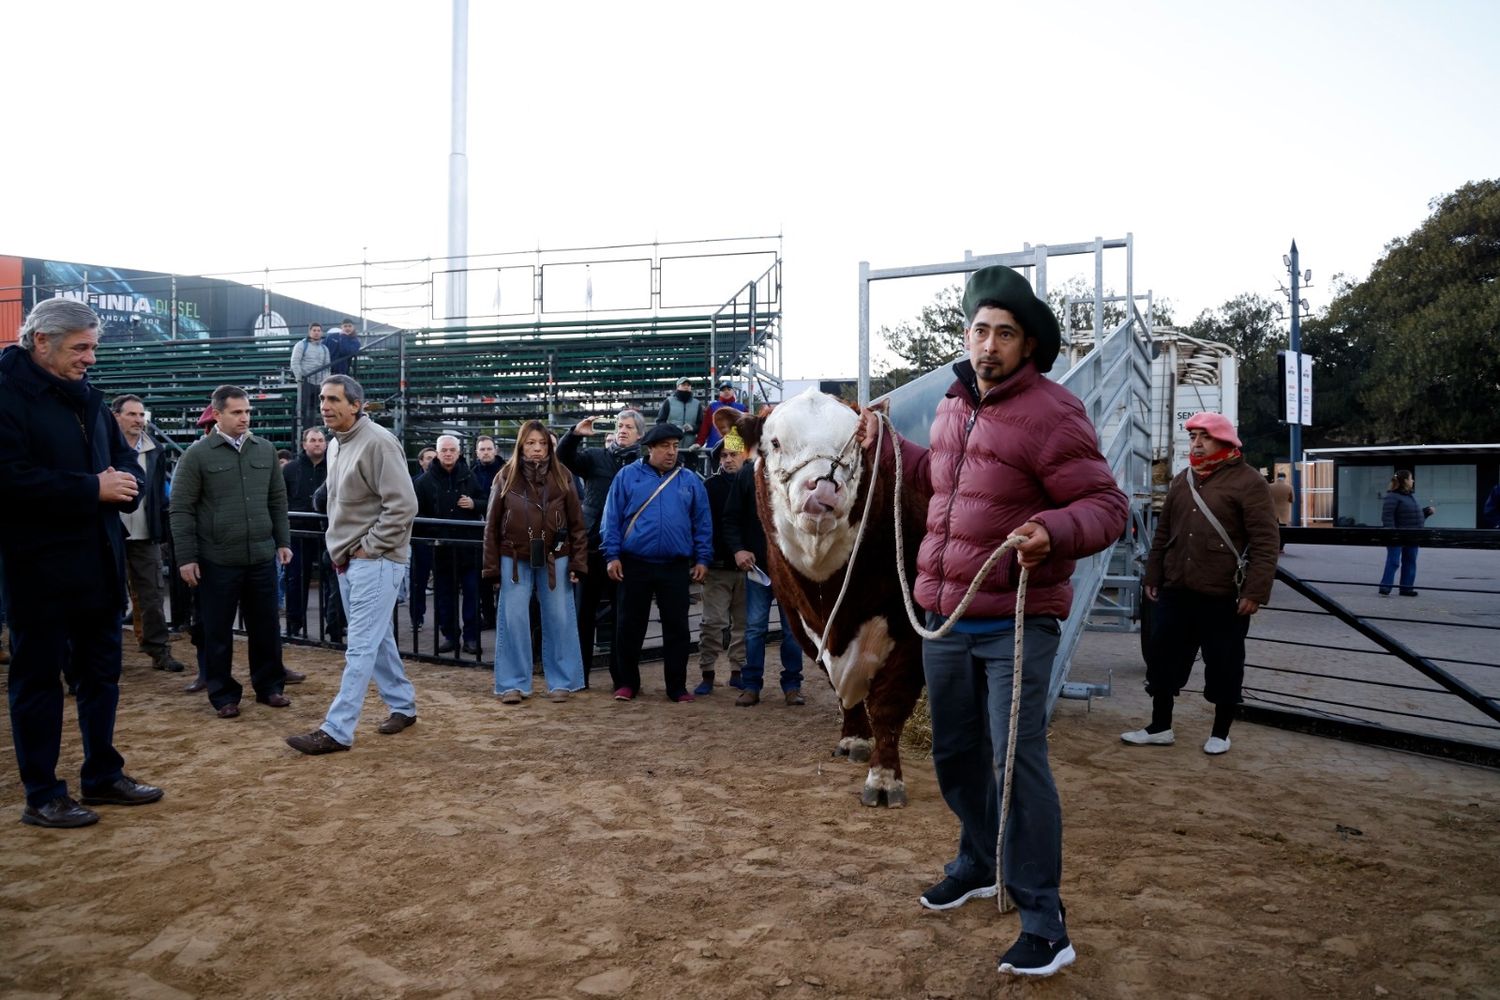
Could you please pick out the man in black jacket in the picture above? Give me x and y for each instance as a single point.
(486, 467)
(724, 587)
(449, 490)
(421, 555)
(745, 536)
(303, 475)
(598, 468)
(68, 476)
(146, 527)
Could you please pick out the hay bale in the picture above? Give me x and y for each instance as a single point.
(916, 738)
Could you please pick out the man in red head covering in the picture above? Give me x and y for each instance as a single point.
(1212, 564)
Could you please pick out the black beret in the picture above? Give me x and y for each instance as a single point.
(660, 433)
(1005, 286)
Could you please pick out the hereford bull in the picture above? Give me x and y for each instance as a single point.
(811, 486)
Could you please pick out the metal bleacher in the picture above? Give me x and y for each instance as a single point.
(469, 377)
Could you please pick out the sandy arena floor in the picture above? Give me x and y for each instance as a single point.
(686, 851)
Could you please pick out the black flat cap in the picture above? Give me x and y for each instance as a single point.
(660, 433)
(1001, 284)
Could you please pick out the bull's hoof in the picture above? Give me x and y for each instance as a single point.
(856, 749)
(883, 788)
(890, 798)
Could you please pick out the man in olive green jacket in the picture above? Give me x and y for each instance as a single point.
(230, 528)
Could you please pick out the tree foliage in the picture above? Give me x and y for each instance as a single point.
(935, 337)
(1409, 355)
(1420, 334)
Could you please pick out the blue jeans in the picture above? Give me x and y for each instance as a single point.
(562, 663)
(968, 690)
(370, 589)
(1406, 557)
(757, 618)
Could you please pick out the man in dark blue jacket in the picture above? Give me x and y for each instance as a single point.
(68, 476)
(658, 537)
(343, 345)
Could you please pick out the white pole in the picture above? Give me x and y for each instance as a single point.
(458, 169)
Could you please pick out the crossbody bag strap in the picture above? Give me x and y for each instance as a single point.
(637, 515)
(1241, 559)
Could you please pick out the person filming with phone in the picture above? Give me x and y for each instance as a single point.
(597, 467)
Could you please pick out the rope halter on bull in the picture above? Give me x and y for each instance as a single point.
(1004, 900)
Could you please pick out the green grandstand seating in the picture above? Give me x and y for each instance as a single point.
(467, 379)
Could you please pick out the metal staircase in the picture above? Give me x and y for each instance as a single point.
(1110, 372)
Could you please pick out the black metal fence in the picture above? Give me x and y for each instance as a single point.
(445, 574)
(1334, 656)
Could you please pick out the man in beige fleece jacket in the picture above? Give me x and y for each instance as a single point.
(370, 505)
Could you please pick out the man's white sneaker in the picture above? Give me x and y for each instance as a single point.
(1141, 738)
(1216, 745)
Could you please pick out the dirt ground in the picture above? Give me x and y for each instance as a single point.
(658, 850)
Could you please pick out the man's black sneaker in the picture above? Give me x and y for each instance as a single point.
(1034, 955)
(951, 892)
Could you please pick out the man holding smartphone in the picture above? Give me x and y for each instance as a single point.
(597, 467)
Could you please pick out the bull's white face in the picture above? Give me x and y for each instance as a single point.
(813, 469)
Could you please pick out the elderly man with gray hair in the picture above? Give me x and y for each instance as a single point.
(450, 491)
(371, 505)
(597, 467)
(64, 556)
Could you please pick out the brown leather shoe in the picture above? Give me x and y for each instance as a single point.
(794, 697)
(230, 711)
(276, 700)
(394, 724)
(315, 743)
(195, 687)
(293, 677)
(747, 698)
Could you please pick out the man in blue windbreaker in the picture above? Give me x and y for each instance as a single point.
(658, 537)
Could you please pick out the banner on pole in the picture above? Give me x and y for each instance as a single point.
(1296, 399)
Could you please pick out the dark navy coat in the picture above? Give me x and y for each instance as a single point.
(64, 550)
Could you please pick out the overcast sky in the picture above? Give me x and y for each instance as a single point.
(202, 137)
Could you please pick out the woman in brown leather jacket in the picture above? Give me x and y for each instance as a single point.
(535, 541)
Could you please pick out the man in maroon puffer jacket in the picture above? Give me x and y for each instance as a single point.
(1012, 452)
